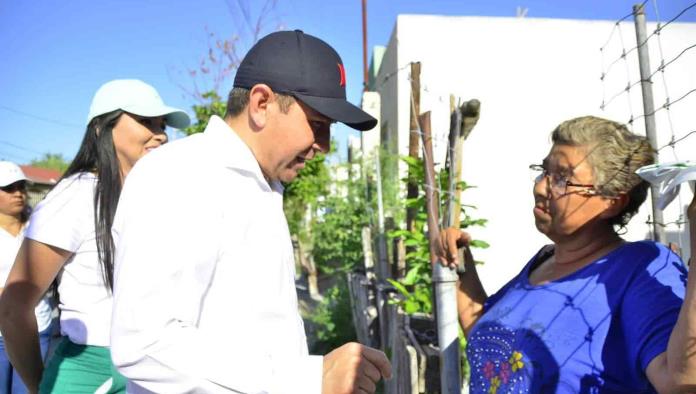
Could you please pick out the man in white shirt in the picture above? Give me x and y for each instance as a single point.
(204, 296)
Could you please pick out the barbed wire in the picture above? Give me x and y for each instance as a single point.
(667, 104)
(393, 73)
(619, 22)
(674, 142)
(628, 87)
(663, 65)
(657, 31)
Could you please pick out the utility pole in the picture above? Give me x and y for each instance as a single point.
(649, 112)
(444, 279)
(364, 31)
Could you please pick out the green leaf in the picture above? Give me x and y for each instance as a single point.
(475, 243)
(401, 288)
(411, 307)
(411, 276)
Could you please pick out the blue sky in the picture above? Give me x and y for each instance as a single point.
(56, 53)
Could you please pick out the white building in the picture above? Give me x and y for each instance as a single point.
(530, 75)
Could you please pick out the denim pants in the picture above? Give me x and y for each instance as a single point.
(10, 382)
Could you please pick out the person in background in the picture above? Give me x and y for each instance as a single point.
(590, 312)
(69, 240)
(14, 215)
(204, 294)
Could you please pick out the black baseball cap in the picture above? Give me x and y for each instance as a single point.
(307, 68)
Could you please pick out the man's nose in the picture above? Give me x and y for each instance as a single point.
(322, 142)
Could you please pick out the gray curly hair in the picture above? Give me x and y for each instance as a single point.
(614, 153)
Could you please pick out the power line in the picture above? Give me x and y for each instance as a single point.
(20, 147)
(14, 157)
(41, 118)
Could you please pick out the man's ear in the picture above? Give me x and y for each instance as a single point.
(616, 205)
(260, 96)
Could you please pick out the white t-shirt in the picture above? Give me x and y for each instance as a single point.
(9, 245)
(65, 219)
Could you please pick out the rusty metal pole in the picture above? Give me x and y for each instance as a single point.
(444, 279)
(364, 31)
(413, 144)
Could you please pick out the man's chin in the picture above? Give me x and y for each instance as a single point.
(288, 176)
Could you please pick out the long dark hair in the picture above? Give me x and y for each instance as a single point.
(97, 154)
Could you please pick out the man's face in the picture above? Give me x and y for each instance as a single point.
(293, 138)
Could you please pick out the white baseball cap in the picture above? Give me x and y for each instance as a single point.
(10, 173)
(136, 97)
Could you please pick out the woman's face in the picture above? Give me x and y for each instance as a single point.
(134, 136)
(565, 199)
(13, 198)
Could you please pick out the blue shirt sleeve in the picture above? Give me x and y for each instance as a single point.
(651, 305)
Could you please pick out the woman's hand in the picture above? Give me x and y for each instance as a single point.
(691, 210)
(451, 240)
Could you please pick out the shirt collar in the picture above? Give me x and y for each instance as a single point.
(235, 153)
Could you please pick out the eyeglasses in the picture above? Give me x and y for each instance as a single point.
(558, 183)
(13, 187)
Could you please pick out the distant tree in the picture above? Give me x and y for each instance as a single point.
(51, 161)
(207, 79)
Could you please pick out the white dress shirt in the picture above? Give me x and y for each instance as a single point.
(204, 294)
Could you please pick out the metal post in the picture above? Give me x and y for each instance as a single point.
(444, 279)
(382, 260)
(413, 145)
(380, 205)
(382, 257)
(648, 111)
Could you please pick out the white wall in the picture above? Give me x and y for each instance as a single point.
(371, 105)
(530, 75)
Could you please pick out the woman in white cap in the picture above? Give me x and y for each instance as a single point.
(14, 215)
(69, 241)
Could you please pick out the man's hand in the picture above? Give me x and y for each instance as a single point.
(355, 369)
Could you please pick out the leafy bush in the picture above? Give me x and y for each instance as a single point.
(332, 319)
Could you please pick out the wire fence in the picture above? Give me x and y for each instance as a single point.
(624, 85)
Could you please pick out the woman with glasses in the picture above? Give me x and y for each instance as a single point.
(14, 215)
(69, 241)
(590, 312)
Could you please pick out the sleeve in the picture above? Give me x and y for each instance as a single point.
(651, 304)
(66, 216)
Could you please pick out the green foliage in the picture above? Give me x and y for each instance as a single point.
(51, 161)
(332, 319)
(211, 105)
(337, 233)
(334, 235)
(303, 194)
(416, 286)
(391, 196)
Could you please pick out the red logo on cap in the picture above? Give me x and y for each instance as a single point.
(342, 71)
